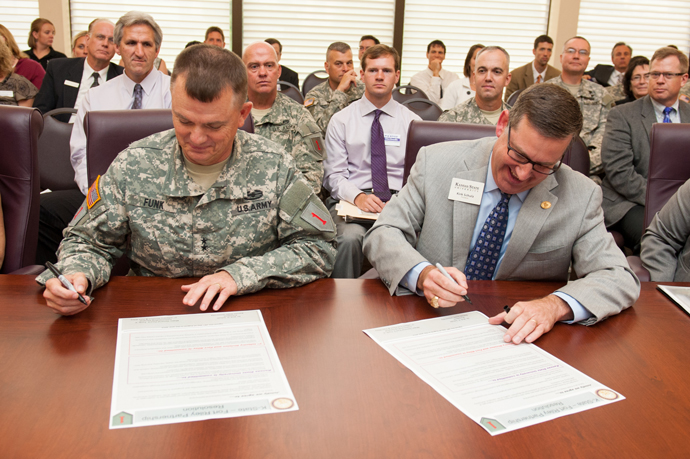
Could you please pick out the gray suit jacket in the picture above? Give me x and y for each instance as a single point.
(665, 244)
(422, 224)
(625, 156)
(523, 77)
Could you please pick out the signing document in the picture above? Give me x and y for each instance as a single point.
(500, 386)
(191, 367)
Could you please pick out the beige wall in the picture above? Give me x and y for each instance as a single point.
(562, 26)
(57, 11)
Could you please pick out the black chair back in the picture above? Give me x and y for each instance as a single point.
(313, 79)
(291, 91)
(403, 93)
(426, 109)
(56, 170)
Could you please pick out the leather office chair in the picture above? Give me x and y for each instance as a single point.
(426, 109)
(19, 184)
(55, 168)
(291, 91)
(514, 97)
(668, 170)
(577, 157)
(313, 79)
(248, 125)
(407, 92)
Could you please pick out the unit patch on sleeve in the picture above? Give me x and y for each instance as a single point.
(93, 195)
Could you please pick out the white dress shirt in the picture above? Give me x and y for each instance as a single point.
(347, 169)
(431, 85)
(456, 93)
(537, 74)
(659, 111)
(615, 78)
(114, 94)
(85, 84)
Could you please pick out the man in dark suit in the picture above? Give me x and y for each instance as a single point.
(537, 71)
(625, 147)
(286, 74)
(611, 75)
(67, 80)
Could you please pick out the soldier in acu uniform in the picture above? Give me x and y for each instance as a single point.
(203, 199)
(279, 118)
(340, 89)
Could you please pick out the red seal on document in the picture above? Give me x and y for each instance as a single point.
(607, 394)
(282, 403)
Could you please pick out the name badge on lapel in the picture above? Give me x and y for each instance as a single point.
(74, 84)
(466, 191)
(391, 140)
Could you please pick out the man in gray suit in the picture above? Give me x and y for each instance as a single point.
(666, 242)
(506, 209)
(625, 147)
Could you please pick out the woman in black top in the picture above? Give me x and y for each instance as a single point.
(635, 80)
(41, 42)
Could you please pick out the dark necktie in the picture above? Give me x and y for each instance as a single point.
(482, 261)
(379, 168)
(667, 113)
(138, 92)
(95, 76)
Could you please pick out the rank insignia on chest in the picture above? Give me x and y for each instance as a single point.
(93, 195)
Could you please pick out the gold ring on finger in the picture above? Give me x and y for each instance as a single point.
(434, 301)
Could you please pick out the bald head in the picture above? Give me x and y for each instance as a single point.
(257, 47)
(263, 72)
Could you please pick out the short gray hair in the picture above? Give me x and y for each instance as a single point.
(339, 46)
(137, 18)
(488, 49)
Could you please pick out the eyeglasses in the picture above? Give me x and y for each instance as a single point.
(536, 167)
(581, 52)
(637, 78)
(667, 75)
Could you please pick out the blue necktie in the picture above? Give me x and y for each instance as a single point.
(482, 261)
(138, 93)
(379, 167)
(667, 112)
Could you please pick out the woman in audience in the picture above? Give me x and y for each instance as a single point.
(14, 89)
(31, 70)
(635, 80)
(41, 42)
(461, 90)
(79, 44)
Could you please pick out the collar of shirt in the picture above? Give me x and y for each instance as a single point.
(366, 107)
(147, 84)
(659, 111)
(490, 198)
(536, 74)
(87, 78)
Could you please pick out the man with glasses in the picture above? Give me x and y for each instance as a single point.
(625, 150)
(594, 101)
(506, 209)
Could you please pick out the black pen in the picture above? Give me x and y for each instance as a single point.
(445, 273)
(506, 308)
(68, 285)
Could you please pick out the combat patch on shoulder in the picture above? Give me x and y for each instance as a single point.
(94, 194)
(607, 99)
(294, 198)
(318, 217)
(309, 102)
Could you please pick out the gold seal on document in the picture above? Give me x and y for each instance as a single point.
(607, 394)
(545, 205)
(282, 403)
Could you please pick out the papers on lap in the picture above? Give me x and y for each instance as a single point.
(500, 386)
(171, 369)
(351, 212)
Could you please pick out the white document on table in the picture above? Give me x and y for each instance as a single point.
(679, 295)
(500, 386)
(171, 369)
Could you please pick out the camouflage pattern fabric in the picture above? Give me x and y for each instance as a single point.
(260, 221)
(468, 112)
(290, 125)
(595, 104)
(685, 93)
(324, 102)
(616, 91)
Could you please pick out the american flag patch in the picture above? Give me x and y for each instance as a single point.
(93, 196)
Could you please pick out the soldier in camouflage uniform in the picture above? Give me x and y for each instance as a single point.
(339, 90)
(279, 118)
(256, 223)
(616, 91)
(491, 76)
(595, 102)
(685, 93)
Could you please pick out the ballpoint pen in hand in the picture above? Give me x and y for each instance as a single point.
(445, 273)
(68, 285)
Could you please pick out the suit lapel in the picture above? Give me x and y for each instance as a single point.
(647, 115)
(464, 216)
(529, 76)
(528, 225)
(684, 112)
(74, 74)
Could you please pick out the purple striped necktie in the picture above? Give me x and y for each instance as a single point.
(379, 168)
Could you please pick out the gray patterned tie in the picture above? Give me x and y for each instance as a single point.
(138, 93)
(379, 168)
(483, 259)
(95, 76)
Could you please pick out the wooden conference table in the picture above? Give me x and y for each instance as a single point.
(355, 399)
